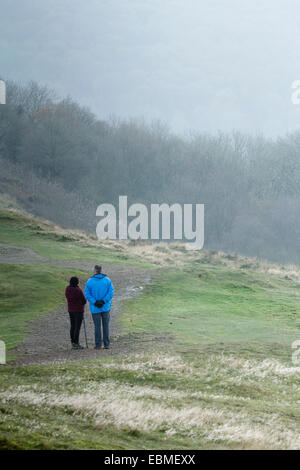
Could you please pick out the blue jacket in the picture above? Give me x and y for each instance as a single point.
(99, 287)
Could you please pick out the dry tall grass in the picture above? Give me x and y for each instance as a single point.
(223, 418)
(157, 253)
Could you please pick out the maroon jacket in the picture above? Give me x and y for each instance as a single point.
(76, 299)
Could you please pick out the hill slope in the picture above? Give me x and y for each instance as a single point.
(200, 358)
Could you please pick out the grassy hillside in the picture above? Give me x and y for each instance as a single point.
(53, 242)
(152, 401)
(28, 291)
(209, 340)
(203, 304)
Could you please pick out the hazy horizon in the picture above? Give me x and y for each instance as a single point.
(202, 66)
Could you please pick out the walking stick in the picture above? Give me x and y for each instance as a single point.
(86, 342)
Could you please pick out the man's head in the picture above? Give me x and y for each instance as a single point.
(97, 269)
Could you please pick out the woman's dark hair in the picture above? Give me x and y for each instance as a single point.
(74, 281)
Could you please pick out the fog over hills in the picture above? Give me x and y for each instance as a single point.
(200, 65)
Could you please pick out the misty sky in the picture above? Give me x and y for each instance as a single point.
(202, 65)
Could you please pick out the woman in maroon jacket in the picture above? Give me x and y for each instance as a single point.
(76, 303)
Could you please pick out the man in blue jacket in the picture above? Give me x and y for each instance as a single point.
(99, 292)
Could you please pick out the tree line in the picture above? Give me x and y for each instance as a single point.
(67, 161)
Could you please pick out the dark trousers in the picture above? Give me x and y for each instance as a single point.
(76, 320)
(101, 319)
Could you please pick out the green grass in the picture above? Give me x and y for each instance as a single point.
(215, 373)
(150, 401)
(27, 291)
(21, 230)
(223, 307)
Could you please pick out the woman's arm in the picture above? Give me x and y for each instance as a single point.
(66, 292)
(83, 298)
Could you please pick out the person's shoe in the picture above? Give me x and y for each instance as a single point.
(79, 346)
(106, 347)
(97, 347)
(75, 346)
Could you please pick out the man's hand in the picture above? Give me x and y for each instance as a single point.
(99, 303)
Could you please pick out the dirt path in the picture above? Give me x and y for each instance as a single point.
(48, 340)
(19, 254)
